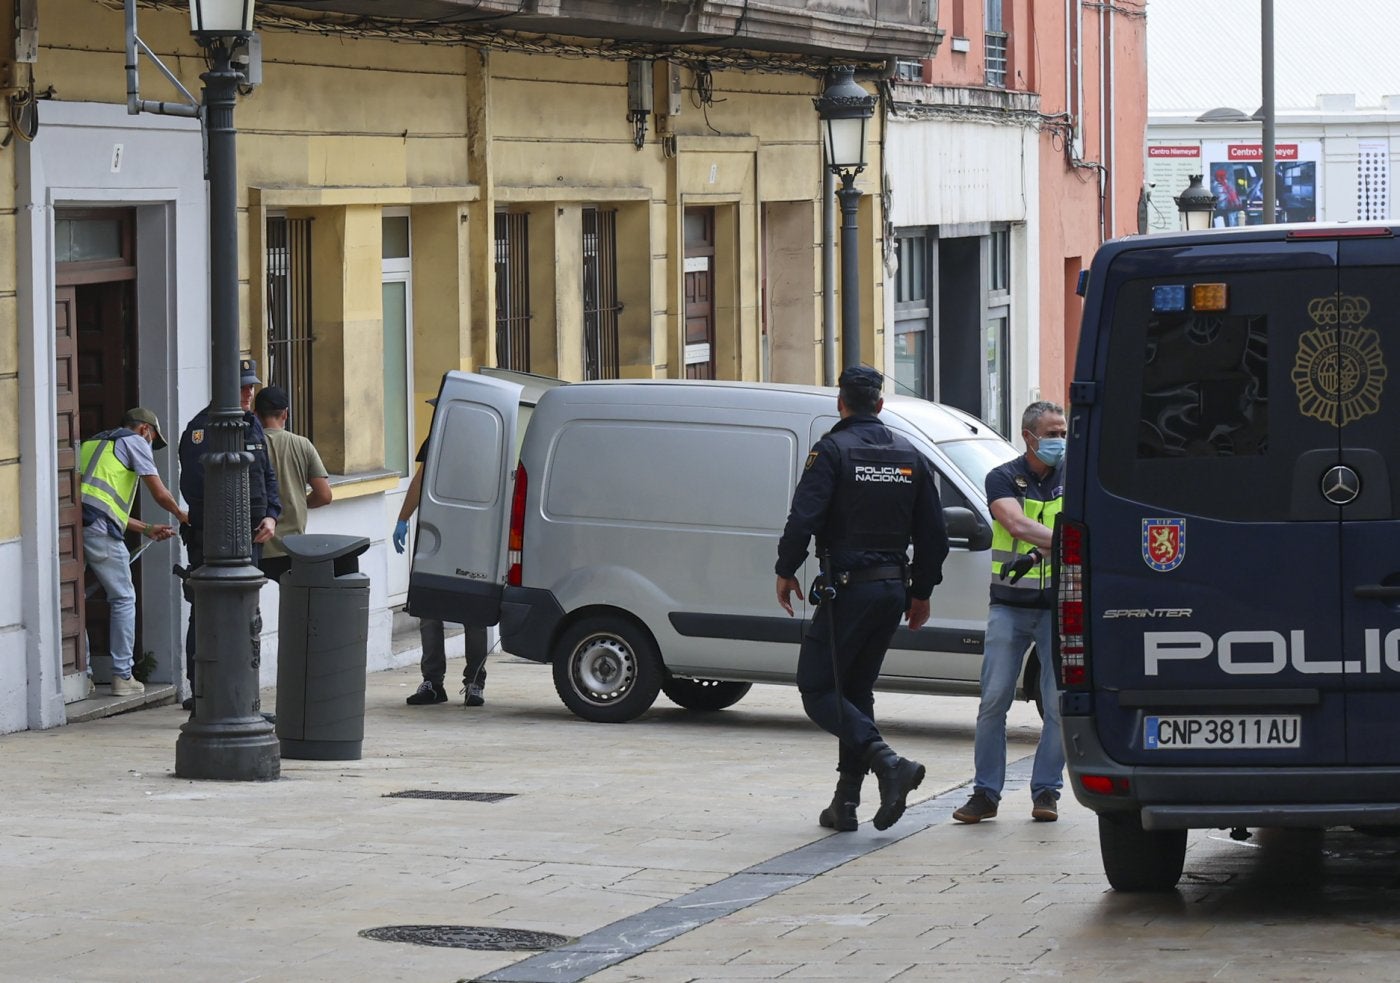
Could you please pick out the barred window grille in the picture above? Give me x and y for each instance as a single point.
(600, 305)
(289, 338)
(996, 60)
(512, 291)
(1373, 183)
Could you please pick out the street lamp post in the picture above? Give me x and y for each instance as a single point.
(226, 737)
(845, 108)
(1196, 205)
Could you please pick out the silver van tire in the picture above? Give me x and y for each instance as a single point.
(1137, 859)
(607, 669)
(704, 694)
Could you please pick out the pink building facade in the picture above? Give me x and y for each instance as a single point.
(1013, 154)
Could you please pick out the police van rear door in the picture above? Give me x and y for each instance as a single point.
(1213, 568)
(1365, 479)
(459, 561)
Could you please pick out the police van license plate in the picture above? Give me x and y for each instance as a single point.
(1207, 733)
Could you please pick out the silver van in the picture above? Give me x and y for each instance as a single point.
(632, 548)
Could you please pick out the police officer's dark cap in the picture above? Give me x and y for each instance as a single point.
(271, 400)
(861, 377)
(248, 369)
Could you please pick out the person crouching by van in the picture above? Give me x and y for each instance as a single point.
(433, 663)
(113, 464)
(865, 494)
(1024, 496)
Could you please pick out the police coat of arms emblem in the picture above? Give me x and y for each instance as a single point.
(1163, 543)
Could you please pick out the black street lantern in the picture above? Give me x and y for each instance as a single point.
(227, 737)
(845, 108)
(1196, 205)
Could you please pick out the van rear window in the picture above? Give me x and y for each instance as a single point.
(1202, 409)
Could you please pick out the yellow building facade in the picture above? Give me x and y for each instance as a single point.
(410, 201)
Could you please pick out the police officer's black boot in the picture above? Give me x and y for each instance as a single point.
(898, 777)
(841, 814)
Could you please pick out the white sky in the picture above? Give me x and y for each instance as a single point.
(1205, 53)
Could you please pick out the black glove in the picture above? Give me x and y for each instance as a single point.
(1021, 566)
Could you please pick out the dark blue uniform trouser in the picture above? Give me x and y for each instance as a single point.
(867, 615)
(194, 549)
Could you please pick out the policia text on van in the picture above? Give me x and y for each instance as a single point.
(1229, 549)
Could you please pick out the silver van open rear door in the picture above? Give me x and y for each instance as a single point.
(459, 560)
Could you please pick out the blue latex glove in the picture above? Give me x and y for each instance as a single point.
(400, 535)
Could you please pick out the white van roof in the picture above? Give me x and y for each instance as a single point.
(937, 421)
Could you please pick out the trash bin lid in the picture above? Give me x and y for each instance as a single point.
(323, 548)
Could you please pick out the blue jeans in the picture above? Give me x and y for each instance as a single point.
(1010, 631)
(110, 560)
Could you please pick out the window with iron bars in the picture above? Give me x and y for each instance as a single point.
(600, 304)
(289, 338)
(512, 291)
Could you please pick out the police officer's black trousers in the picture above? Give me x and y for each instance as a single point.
(867, 615)
(194, 549)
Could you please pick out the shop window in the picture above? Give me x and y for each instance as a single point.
(396, 272)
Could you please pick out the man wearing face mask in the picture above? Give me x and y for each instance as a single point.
(1024, 496)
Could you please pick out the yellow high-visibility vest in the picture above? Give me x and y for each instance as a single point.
(1006, 547)
(107, 484)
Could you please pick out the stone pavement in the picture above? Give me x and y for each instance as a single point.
(680, 847)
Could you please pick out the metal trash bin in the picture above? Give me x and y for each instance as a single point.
(322, 640)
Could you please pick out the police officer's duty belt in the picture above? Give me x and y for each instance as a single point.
(890, 571)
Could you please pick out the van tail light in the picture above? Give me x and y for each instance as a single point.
(1105, 785)
(515, 542)
(1071, 596)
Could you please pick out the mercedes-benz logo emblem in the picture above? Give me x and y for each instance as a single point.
(1341, 485)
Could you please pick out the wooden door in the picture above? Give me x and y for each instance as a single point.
(699, 352)
(70, 511)
(107, 388)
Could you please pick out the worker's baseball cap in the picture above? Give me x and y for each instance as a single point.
(139, 414)
(861, 377)
(248, 369)
(273, 399)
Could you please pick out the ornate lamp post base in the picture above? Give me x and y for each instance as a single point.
(227, 738)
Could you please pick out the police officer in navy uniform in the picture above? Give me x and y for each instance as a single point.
(264, 504)
(865, 494)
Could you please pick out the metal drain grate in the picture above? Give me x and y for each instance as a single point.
(423, 793)
(467, 937)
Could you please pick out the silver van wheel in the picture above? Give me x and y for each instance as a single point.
(607, 669)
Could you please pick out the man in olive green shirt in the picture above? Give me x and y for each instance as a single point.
(300, 474)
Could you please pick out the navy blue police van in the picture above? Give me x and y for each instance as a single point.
(1228, 623)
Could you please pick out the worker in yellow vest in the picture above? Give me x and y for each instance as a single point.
(113, 463)
(1024, 496)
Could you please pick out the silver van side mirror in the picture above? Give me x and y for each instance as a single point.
(966, 529)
